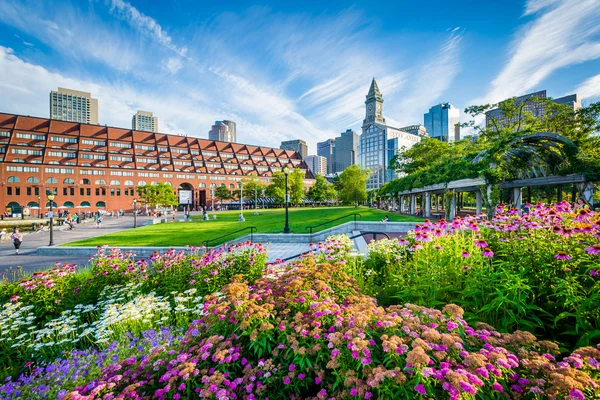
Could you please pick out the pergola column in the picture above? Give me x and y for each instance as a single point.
(478, 202)
(587, 192)
(517, 198)
(427, 212)
(452, 211)
(413, 201)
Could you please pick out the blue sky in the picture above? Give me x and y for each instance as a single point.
(287, 70)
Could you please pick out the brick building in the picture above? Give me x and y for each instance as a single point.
(91, 167)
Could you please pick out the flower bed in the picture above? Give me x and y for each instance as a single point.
(538, 272)
(307, 332)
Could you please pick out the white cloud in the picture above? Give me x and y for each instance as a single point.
(144, 24)
(174, 64)
(565, 33)
(533, 6)
(589, 88)
(429, 81)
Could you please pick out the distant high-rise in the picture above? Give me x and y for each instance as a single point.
(73, 106)
(144, 121)
(232, 129)
(440, 121)
(344, 150)
(221, 133)
(418, 130)
(537, 109)
(317, 164)
(297, 145)
(325, 149)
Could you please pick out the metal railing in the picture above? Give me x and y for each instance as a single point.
(333, 220)
(252, 230)
(374, 233)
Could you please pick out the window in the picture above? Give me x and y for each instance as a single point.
(129, 183)
(65, 191)
(68, 181)
(142, 183)
(180, 151)
(120, 158)
(9, 191)
(30, 136)
(167, 175)
(122, 145)
(28, 152)
(93, 142)
(115, 182)
(13, 179)
(100, 182)
(92, 172)
(94, 156)
(18, 191)
(63, 154)
(64, 139)
(144, 147)
(203, 185)
(51, 180)
(118, 192)
(66, 171)
(72, 191)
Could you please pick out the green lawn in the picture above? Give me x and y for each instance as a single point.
(269, 221)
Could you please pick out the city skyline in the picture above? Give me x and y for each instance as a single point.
(227, 63)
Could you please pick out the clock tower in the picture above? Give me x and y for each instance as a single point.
(374, 105)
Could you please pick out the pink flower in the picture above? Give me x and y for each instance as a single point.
(593, 250)
(576, 394)
(562, 256)
(286, 380)
(465, 254)
(481, 243)
(498, 387)
(421, 389)
(487, 252)
(14, 298)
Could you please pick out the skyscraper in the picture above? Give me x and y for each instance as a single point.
(344, 151)
(316, 164)
(73, 106)
(144, 121)
(537, 109)
(417, 129)
(221, 133)
(232, 129)
(440, 121)
(325, 149)
(297, 145)
(379, 142)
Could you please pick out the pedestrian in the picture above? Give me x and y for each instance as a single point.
(99, 221)
(17, 238)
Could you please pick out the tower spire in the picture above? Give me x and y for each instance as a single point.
(374, 90)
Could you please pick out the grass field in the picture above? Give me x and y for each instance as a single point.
(268, 221)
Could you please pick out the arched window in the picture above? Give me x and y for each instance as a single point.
(154, 183)
(142, 183)
(115, 182)
(85, 204)
(13, 179)
(222, 185)
(69, 204)
(68, 181)
(213, 185)
(51, 180)
(85, 181)
(33, 179)
(203, 185)
(129, 183)
(231, 186)
(100, 182)
(100, 204)
(169, 183)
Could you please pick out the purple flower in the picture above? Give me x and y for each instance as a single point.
(421, 389)
(481, 243)
(498, 387)
(301, 376)
(562, 256)
(465, 254)
(487, 252)
(593, 250)
(368, 395)
(576, 394)
(286, 380)
(291, 367)
(595, 273)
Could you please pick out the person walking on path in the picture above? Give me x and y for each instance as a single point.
(17, 238)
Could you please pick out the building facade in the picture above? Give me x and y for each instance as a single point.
(325, 149)
(441, 120)
(537, 109)
(232, 129)
(144, 121)
(220, 132)
(317, 164)
(345, 150)
(298, 145)
(417, 130)
(73, 106)
(91, 167)
(379, 142)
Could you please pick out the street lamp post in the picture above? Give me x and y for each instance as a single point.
(212, 199)
(39, 207)
(134, 213)
(255, 203)
(241, 217)
(286, 228)
(51, 200)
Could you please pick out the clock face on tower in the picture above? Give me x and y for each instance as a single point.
(370, 107)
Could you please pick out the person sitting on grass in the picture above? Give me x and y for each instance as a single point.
(385, 219)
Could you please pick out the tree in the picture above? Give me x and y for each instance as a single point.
(322, 190)
(296, 186)
(222, 193)
(252, 185)
(160, 194)
(353, 185)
